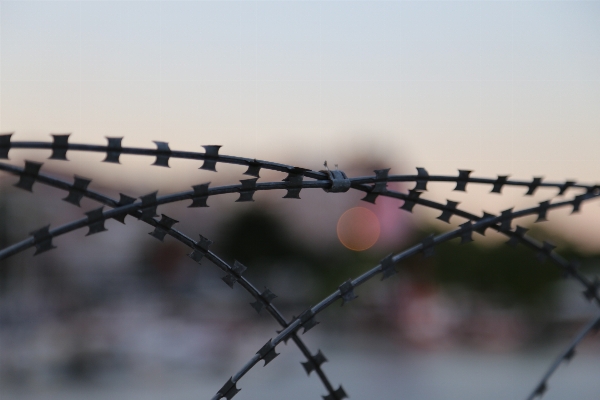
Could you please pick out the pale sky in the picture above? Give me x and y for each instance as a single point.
(496, 87)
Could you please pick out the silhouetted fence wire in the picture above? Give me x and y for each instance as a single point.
(145, 210)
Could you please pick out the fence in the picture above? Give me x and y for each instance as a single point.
(145, 210)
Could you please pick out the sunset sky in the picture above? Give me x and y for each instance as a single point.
(497, 87)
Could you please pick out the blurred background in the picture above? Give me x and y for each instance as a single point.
(501, 88)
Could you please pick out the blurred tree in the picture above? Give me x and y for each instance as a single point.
(260, 239)
(503, 275)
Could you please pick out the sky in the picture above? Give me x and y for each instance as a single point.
(498, 87)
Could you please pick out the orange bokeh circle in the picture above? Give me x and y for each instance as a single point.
(358, 229)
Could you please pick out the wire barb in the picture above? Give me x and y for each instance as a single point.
(506, 218)
(60, 146)
(563, 188)
(5, 145)
(448, 212)
(211, 154)
(149, 205)
(347, 291)
(247, 190)
(96, 221)
(380, 186)
(314, 362)
(124, 200)
(293, 183)
(544, 205)
(423, 178)
(200, 249)
(29, 175)
(535, 183)
(484, 226)
(338, 394)
(253, 169)
(236, 272)
(228, 390)
(77, 191)
(263, 300)
(577, 203)
(200, 195)
(411, 200)
(42, 240)
(307, 320)
(113, 150)
(162, 227)
(163, 153)
(462, 180)
(387, 267)
(267, 352)
(500, 182)
(591, 292)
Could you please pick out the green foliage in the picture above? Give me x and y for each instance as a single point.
(260, 240)
(501, 274)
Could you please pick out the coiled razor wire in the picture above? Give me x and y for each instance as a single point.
(162, 228)
(145, 209)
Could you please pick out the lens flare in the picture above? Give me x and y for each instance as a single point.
(358, 229)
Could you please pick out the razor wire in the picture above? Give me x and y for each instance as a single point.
(440, 206)
(148, 204)
(60, 146)
(334, 181)
(163, 227)
(346, 293)
(168, 219)
(200, 249)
